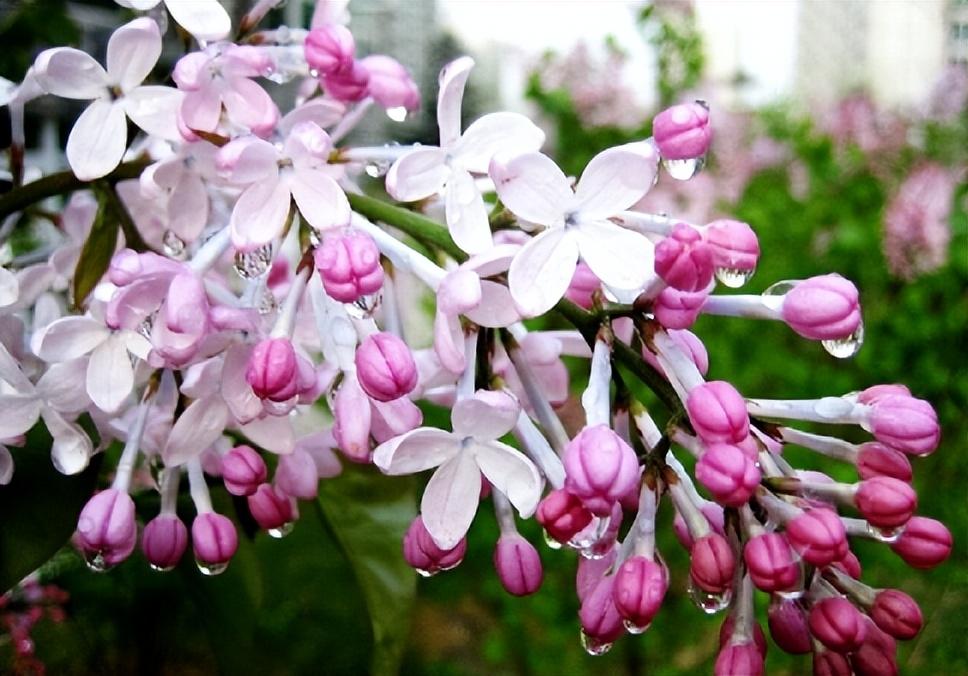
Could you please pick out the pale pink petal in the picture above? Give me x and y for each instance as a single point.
(71, 450)
(136, 344)
(69, 338)
(417, 175)
(615, 179)
(494, 261)
(273, 433)
(236, 391)
(320, 199)
(11, 372)
(496, 133)
(321, 111)
(133, 50)
(18, 413)
(247, 159)
(415, 451)
(201, 110)
(449, 342)
(155, 110)
(307, 145)
(621, 258)
(97, 141)
(393, 418)
(249, 105)
(9, 288)
(533, 188)
(496, 309)
(6, 466)
(63, 386)
(466, 213)
(188, 207)
(542, 270)
(198, 427)
(71, 73)
(207, 20)
(320, 446)
(511, 473)
(140, 5)
(33, 281)
(202, 379)
(259, 214)
(109, 374)
(451, 83)
(450, 500)
(485, 416)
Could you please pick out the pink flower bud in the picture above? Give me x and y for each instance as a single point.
(683, 260)
(690, 344)
(562, 515)
(676, 309)
(718, 413)
(583, 286)
(682, 132)
(830, 663)
(876, 392)
(330, 49)
(422, 553)
(243, 469)
(837, 624)
(272, 370)
(639, 588)
(726, 633)
(925, 543)
(214, 539)
(822, 308)
(818, 535)
(897, 614)
(905, 423)
(714, 514)
(599, 617)
(770, 562)
(353, 418)
(590, 571)
(728, 473)
(270, 507)
(518, 565)
(350, 84)
(886, 502)
(297, 474)
(876, 459)
(850, 564)
(390, 83)
(788, 626)
(739, 658)
(734, 245)
(712, 564)
(600, 468)
(349, 265)
(385, 367)
(106, 528)
(877, 656)
(164, 541)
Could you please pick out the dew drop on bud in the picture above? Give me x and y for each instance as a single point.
(845, 348)
(594, 646)
(887, 535)
(683, 170)
(173, 245)
(635, 629)
(365, 306)
(397, 113)
(550, 541)
(268, 304)
(780, 288)
(377, 168)
(313, 73)
(732, 277)
(282, 531)
(791, 594)
(708, 602)
(211, 569)
(252, 264)
(593, 553)
(426, 573)
(161, 569)
(96, 562)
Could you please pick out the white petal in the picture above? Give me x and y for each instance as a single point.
(64, 386)
(133, 51)
(33, 281)
(466, 214)
(10, 372)
(320, 199)
(69, 338)
(155, 109)
(188, 207)
(273, 433)
(415, 451)
(450, 500)
(97, 141)
(496, 309)
(485, 416)
(236, 391)
(259, 214)
(512, 474)
(542, 270)
(200, 426)
(533, 188)
(449, 342)
(207, 20)
(109, 374)
(452, 79)
(493, 134)
(9, 288)
(71, 451)
(71, 73)
(323, 112)
(6, 466)
(18, 413)
(621, 258)
(615, 179)
(418, 174)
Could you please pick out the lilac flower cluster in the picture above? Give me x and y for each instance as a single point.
(256, 297)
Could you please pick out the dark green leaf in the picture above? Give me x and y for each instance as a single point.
(96, 252)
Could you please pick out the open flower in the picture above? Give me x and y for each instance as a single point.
(205, 19)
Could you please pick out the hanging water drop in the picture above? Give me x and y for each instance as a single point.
(161, 569)
(781, 288)
(251, 264)
(173, 245)
(845, 348)
(397, 113)
(635, 629)
(426, 573)
(365, 306)
(96, 561)
(733, 278)
(708, 602)
(683, 170)
(268, 303)
(377, 168)
(886, 535)
(550, 541)
(792, 594)
(211, 569)
(282, 531)
(594, 646)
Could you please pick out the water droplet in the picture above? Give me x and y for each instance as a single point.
(550, 541)
(211, 569)
(268, 303)
(595, 552)
(313, 73)
(95, 561)
(364, 307)
(887, 535)
(377, 168)
(845, 348)
(734, 278)
(426, 573)
(792, 594)
(282, 531)
(161, 569)
(594, 646)
(397, 113)
(451, 566)
(635, 629)
(708, 602)
(146, 326)
(252, 264)
(683, 170)
(781, 288)
(173, 245)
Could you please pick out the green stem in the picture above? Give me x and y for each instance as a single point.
(421, 228)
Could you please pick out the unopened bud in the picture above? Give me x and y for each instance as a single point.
(599, 617)
(717, 412)
(563, 515)
(739, 658)
(823, 308)
(676, 309)
(770, 562)
(349, 266)
(728, 473)
(601, 468)
(639, 588)
(164, 541)
(272, 370)
(422, 553)
(330, 49)
(925, 543)
(683, 260)
(788, 626)
(270, 507)
(243, 469)
(897, 614)
(106, 527)
(518, 565)
(734, 245)
(876, 459)
(819, 536)
(214, 539)
(712, 564)
(682, 132)
(837, 624)
(390, 83)
(385, 367)
(905, 423)
(886, 502)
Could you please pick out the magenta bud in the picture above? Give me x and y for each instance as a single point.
(897, 614)
(583, 286)
(270, 507)
(818, 535)
(682, 132)
(690, 344)
(823, 308)
(788, 626)
(830, 663)
(683, 260)
(770, 562)
(639, 588)
(518, 565)
(349, 84)
(886, 502)
(726, 633)
(712, 564)
(422, 553)
(837, 624)
(905, 423)
(876, 392)
(106, 528)
(600, 468)
(925, 543)
(390, 83)
(562, 515)
(385, 367)
(734, 245)
(330, 49)
(349, 265)
(164, 541)
(718, 412)
(850, 564)
(214, 539)
(876, 459)
(599, 617)
(728, 473)
(877, 656)
(297, 475)
(243, 469)
(590, 571)
(676, 309)
(272, 370)
(739, 658)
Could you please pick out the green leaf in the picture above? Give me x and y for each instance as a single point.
(39, 507)
(369, 513)
(97, 250)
